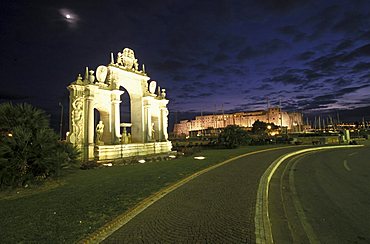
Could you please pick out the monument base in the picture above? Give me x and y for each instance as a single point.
(110, 152)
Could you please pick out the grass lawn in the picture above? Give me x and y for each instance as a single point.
(81, 202)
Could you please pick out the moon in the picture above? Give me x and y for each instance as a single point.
(69, 16)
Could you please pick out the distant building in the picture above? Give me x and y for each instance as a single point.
(293, 121)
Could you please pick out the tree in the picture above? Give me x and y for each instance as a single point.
(29, 149)
(233, 136)
(22, 115)
(261, 128)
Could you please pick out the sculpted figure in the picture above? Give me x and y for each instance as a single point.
(99, 131)
(77, 113)
(128, 59)
(129, 138)
(119, 59)
(163, 94)
(124, 137)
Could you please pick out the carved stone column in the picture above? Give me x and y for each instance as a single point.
(90, 120)
(116, 133)
(148, 122)
(164, 123)
(88, 147)
(160, 125)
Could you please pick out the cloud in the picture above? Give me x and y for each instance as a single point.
(348, 90)
(335, 64)
(232, 43)
(293, 76)
(352, 22)
(365, 35)
(362, 51)
(274, 45)
(288, 78)
(268, 47)
(193, 95)
(264, 87)
(305, 55)
(239, 71)
(327, 63)
(293, 32)
(281, 6)
(247, 107)
(303, 96)
(339, 82)
(366, 76)
(311, 75)
(248, 91)
(310, 87)
(324, 101)
(220, 57)
(345, 44)
(247, 53)
(169, 65)
(219, 71)
(200, 67)
(362, 66)
(321, 101)
(179, 77)
(200, 76)
(322, 21)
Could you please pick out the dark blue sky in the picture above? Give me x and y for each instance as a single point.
(314, 56)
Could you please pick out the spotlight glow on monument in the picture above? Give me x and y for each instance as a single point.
(104, 140)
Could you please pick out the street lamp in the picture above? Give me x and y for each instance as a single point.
(61, 121)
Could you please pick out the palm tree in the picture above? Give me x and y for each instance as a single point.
(29, 149)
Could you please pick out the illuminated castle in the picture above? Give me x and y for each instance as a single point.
(293, 121)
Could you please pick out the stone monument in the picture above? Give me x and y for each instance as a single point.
(149, 113)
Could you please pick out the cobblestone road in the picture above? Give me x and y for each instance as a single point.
(217, 207)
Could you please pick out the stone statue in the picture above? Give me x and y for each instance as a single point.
(99, 132)
(119, 59)
(129, 138)
(163, 94)
(128, 59)
(79, 80)
(124, 137)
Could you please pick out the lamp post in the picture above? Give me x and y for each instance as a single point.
(61, 121)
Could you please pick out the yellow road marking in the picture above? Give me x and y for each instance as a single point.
(345, 164)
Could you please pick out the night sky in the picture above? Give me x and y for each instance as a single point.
(313, 56)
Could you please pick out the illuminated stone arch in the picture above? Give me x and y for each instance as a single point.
(148, 109)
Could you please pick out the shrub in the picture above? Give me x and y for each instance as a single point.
(233, 136)
(29, 149)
